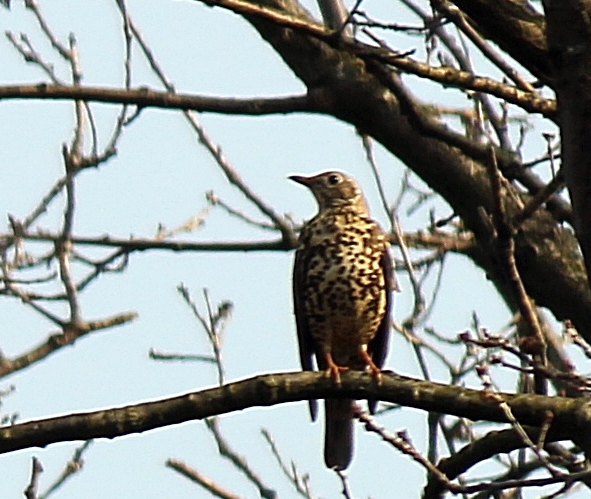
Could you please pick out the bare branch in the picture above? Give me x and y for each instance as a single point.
(199, 478)
(456, 15)
(346, 491)
(137, 244)
(37, 469)
(24, 47)
(301, 483)
(214, 327)
(72, 467)
(145, 97)
(534, 343)
(56, 341)
(155, 355)
(446, 75)
(571, 416)
(239, 462)
(61, 49)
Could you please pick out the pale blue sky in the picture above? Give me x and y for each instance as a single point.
(160, 175)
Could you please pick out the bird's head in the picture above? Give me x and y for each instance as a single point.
(334, 190)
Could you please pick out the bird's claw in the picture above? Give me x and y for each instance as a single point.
(375, 371)
(377, 375)
(334, 371)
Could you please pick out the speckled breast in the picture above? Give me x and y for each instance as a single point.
(346, 297)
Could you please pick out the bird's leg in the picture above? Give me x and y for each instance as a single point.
(333, 371)
(376, 372)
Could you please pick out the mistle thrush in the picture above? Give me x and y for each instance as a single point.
(342, 282)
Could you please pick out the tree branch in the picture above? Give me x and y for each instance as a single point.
(514, 26)
(144, 97)
(569, 30)
(70, 334)
(571, 416)
(131, 245)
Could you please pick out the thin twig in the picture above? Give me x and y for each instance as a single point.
(215, 150)
(60, 48)
(239, 462)
(346, 491)
(553, 187)
(367, 146)
(457, 16)
(534, 343)
(215, 200)
(183, 357)
(199, 478)
(36, 470)
(301, 483)
(30, 55)
(214, 327)
(72, 467)
(54, 342)
(572, 334)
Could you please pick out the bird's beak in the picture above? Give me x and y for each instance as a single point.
(300, 180)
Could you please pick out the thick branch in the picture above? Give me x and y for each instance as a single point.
(145, 97)
(569, 31)
(571, 416)
(298, 20)
(478, 451)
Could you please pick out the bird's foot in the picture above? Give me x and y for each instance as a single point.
(375, 371)
(333, 370)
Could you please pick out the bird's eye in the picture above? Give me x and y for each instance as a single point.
(334, 179)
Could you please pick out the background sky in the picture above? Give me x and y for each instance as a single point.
(160, 176)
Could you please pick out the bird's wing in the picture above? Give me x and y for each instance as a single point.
(305, 340)
(378, 346)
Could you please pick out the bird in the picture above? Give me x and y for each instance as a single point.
(342, 282)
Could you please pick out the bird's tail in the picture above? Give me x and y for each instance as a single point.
(338, 433)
